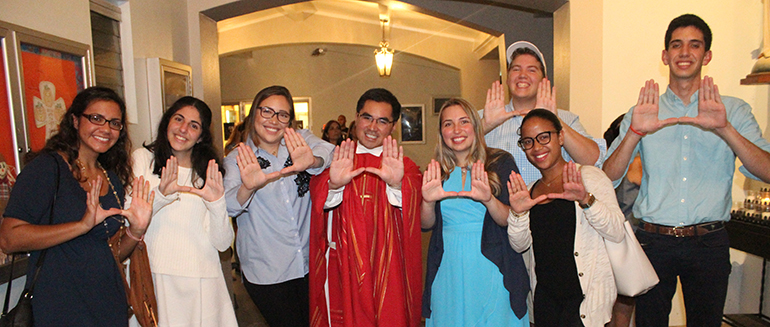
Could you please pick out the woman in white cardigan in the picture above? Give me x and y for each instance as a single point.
(564, 217)
(189, 223)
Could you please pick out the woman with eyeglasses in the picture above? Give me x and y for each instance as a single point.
(190, 223)
(267, 192)
(473, 276)
(564, 218)
(69, 201)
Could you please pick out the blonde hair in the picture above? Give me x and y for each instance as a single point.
(478, 151)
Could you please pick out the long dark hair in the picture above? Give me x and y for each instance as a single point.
(202, 151)
(261, 96)
(67, 140)
(325, 134)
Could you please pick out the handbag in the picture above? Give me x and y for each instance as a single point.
(634, 274)
(21, 314)
(141, 293)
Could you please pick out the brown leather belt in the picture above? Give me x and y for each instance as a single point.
(682, 231)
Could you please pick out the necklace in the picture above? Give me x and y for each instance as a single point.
(552, 180)
(109, 182)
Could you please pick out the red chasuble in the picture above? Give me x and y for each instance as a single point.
(374, 261)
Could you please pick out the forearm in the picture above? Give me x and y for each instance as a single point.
(754, 158)
(519, 235)
(498, 211)
(616, 164)
(427, 215)
(127, 245)
(19, 236)
(582, 149)
(244, 194)
(217, 224)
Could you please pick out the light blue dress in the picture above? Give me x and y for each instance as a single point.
(468, 289)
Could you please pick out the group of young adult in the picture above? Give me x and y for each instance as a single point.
(329, 233)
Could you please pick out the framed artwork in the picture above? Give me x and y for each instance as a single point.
(412, 120)
(52, 74)
(7, 144)
(438, 101)
(167, 82)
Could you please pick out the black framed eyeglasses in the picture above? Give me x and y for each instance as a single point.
(97, 119)
(269, 113)
(543, 138)
(381, 122)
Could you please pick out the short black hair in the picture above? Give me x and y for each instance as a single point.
(689, 20)
(380, 95)
(544, 114)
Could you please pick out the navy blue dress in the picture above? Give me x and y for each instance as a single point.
(79, 282)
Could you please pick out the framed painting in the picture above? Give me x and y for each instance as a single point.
(438, 102)
(167, 81)
(52, 73)
(412, 120)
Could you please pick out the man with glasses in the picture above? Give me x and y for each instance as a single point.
(688, 139)
(530, 89)
(365, 243)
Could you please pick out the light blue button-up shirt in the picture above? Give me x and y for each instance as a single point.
(274, 223)
(687, 171)
(506, 137)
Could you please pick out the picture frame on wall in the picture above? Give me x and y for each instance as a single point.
(412, 124)
(167, 81)
(438, 102)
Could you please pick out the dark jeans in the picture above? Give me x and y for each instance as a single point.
(283, 305)
(702, 264)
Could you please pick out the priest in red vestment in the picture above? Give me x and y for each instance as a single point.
(365, 255)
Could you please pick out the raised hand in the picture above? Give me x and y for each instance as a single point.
(711, 110)
(140, 212)
(341, 171)
(214, 187)
(494, 108)
(392, 166)
(546, 96)
(301, 154)
(252, 176)
(169, 178)
(480, 190)
(518, 195)
(95, 214)
(572, 184)
(432, 189)
(645, 117)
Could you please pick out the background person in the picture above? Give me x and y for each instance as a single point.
(190, 223)
(332, 133)
(474, 278)
(80, 283)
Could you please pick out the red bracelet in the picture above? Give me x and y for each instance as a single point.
(138, 239)
(635, 131)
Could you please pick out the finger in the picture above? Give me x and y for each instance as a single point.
(717, 97)
(540, 198)
(289, 139)
(510, 189)
(556, 196)
(400, 153)
(640, 100)
(357, 172)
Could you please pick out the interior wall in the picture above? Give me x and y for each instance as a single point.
(334, 82)
(62, 18)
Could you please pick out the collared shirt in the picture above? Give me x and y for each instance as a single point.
(506, 137)
(335, 196)
(688, 171)
(274, 223)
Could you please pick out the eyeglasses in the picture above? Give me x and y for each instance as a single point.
(97, 119)
(381, 122)
(269, 113)
(543, 138)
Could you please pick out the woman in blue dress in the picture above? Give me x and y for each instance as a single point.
(473, 278)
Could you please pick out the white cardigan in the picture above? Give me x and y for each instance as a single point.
(602, 220)
(186, 232)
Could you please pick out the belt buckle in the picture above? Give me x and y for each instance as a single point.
(679, 231)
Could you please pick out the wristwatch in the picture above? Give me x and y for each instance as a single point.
(591, 200)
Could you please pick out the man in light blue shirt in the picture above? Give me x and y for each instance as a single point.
(530, 89)
(688, 139)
